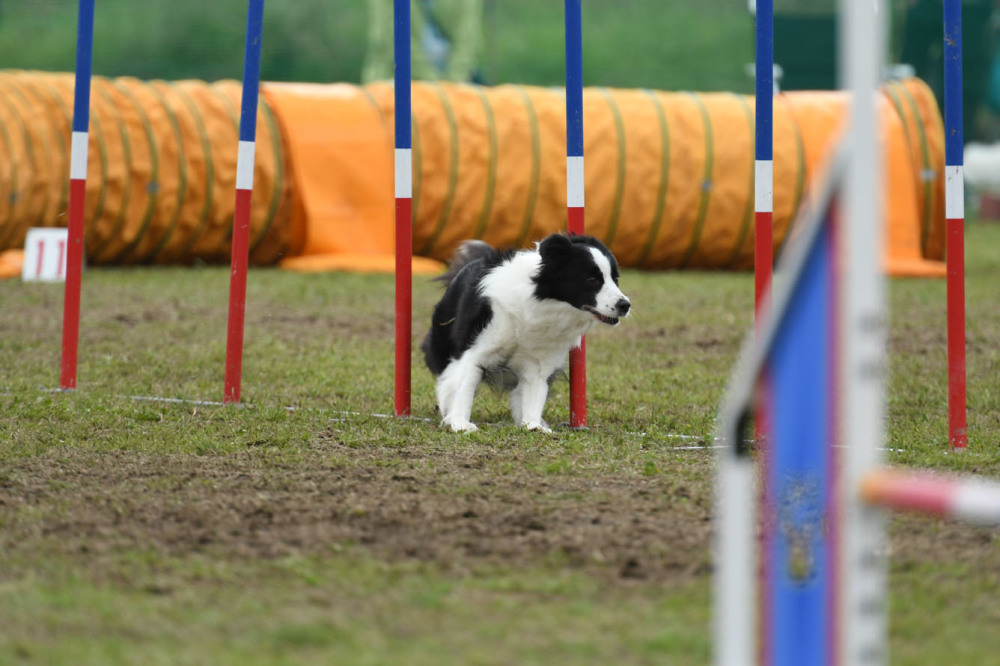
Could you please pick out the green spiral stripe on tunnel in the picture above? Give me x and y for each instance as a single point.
(102, 153)
(234, 118)
(15, 199)
(27, 88)
(181, 176)
(800, 174)
(418, 166)
(10, 197)
(206, 149)
(453, 154)
(895, 90)
(45, 148)
(119, 223)
(32, 85)
(706, 186)
(39, 100)
(620, 171)
(661, 191)
(67, 129)
(748, 215)
(279, 176)
(375, 105)
(152, 189)
(491, 173)
(536, 160)
(925, 163)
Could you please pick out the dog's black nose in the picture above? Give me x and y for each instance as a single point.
(622, 307)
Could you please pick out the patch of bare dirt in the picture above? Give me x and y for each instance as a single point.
(458, 513)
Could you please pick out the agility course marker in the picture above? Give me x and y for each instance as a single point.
(77, 193)
(45, 254)
(954, 202)
(575, 191)
(244, 194)
(404, 206)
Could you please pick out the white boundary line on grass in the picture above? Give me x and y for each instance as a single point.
(213, 403)
(345, 414)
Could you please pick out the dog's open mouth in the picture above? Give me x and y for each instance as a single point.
(604, 319)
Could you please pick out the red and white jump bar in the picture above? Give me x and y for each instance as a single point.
(972, 500)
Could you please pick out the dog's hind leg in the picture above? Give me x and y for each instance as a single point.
(456, 390)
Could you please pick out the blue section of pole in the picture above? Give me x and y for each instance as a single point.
(764, 68)
(574, 79)
(953, 142)
(84, 52)
(251, 70)
(402, 71)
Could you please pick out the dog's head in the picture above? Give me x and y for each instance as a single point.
(581, 271)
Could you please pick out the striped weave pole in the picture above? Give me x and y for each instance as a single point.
(77, 193)
(763, 217)
(244, 192)
(972, 500)
(574, 191)
(764, 152)
(404, 206)
(954, 198)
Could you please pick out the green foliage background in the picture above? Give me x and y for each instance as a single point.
(672, 44)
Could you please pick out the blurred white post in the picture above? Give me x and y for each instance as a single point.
(863, 338)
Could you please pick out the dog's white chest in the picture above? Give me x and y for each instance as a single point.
(526, 331)
(539, 336)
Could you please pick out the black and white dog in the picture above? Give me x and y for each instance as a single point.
(511, 317)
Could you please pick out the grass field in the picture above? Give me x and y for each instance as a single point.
(304, 529)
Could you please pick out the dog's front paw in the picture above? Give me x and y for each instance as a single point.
(541, 426)
(458, 425)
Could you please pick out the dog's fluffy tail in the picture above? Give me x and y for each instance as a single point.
(467, 252)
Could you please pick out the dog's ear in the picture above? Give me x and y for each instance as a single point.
(554, 246)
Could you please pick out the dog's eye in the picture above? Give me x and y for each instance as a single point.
(593, 281)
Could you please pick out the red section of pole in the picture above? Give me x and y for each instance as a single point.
(74, 270)
(763, 259)
(956, 333)
(404, 303)
(578, 356)
(237, 296)
(578, 386)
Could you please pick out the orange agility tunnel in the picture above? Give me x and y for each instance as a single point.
(669, 181)
(162, 176)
